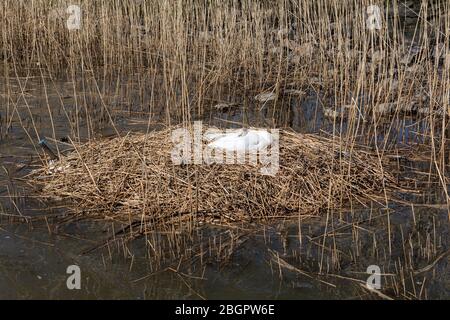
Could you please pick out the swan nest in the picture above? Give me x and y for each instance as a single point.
(134, 179)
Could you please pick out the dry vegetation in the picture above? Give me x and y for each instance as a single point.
(133, 179)
(187, 53)
(177, 61)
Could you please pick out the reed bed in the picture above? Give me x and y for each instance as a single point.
(187, 55)
(172, 62)
(133, 179)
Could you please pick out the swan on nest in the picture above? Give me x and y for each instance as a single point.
(240, 140)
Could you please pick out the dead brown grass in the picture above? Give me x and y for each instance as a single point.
(133, 179)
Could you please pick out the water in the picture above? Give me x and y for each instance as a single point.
(34, 256)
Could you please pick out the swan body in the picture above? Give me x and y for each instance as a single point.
(241, 140)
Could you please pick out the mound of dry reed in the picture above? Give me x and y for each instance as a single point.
(133, 179)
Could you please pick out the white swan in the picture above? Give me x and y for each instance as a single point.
(240, 140)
